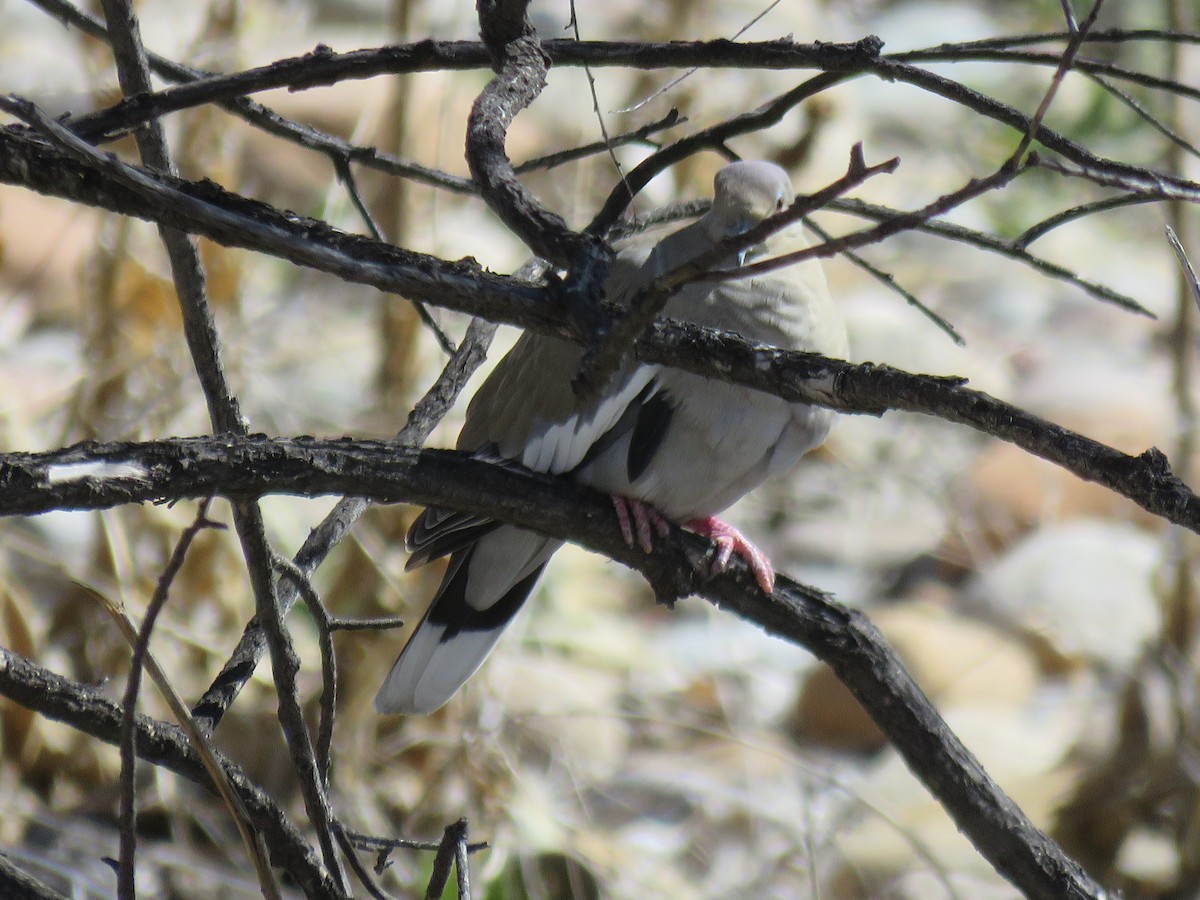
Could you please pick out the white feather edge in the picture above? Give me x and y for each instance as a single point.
(561, 446)
(430, 672)
(431, 668)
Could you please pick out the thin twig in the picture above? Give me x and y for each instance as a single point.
(378, 623)
(1146, 184)
(1081, 211)
(346, 177)
(317, 546)
(218, 771)
(888, 280)
(674, 82)
(356, 866)
(601, 360)
(591, 80)
(1140, 110)
(1093, 68)
(285, 667)
(1078, 35)
(1014, 249)
(637, 135)
(329, 674)
(1069, 15)
(1185, 264)
(376, 844)
(127, 816)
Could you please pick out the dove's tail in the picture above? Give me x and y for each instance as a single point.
(485, 584)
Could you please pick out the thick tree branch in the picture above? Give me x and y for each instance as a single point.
(97, 476)
(837, 62)
(521, 68)
(844, 638)
(94, 178)
(323, 67)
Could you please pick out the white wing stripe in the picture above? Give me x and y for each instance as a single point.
(561, 446)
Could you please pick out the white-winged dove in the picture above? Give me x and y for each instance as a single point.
(666, 444)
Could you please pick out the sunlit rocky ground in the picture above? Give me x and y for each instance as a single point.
(612, 748)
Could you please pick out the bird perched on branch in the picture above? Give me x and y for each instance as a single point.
(669, 446)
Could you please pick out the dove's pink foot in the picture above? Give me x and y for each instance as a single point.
(729, 541)
(634, 516)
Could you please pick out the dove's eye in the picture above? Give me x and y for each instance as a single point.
(780, 203)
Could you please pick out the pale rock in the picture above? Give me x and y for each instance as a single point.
(1083, 589)
(958, 662)
(1150, 858)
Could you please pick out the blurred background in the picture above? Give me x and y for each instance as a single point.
(610, 748)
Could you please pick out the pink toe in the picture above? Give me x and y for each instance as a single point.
(641, 520)
(729, 540)
(621, 505)
(642, 517)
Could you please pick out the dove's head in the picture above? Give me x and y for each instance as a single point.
(745, 193)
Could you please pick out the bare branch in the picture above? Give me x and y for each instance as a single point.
(1082, 211)
(329, 675)
(637, 135)
(1066, 60)
(1014, 249)
(346, 177)
(163, 744)
(15, 882)
(889, 281)
(452, 853)
(1189, 273)
(842, 637)
(127, 815)
(521, 69)
(337, 524)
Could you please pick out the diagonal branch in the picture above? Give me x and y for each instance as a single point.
(842, 637)
(1016, 248)
(85, 709)
(336, 525)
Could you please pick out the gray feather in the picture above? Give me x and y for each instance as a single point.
(689, 446)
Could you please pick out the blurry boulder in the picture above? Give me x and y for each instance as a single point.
(957, 661)
(1083, 590)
